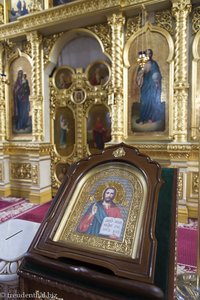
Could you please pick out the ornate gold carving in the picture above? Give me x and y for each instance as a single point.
(10, 49)
(179, 152)
(103, 32)
(119, 152)
(166, 152)
(60, 98)
(65, 98)
(153, 151)
(21, 171)
(196, 20)
(79, 132)
(116, 22)
(180, 10)
(195, 183)
(132, 26)
(57, 15)
(95, 96)
(7, 31)
(35, 174)
(1, 14)
(194, 152)
(180, 186)
(132, 2)
(48, 43)
(35, 39)
(180, 114)
(181, 6)
(27, 149)
(26, 48)
(53, 98)
(164, 20)
(54, 160)
(37, 99)
(38, 134)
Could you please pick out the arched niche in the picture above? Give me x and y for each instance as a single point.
(66, 50)
(90, 52)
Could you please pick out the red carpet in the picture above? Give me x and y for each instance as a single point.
(187, 246)
(36, 214)
(13, 208)
(20, 208)
(8, 202)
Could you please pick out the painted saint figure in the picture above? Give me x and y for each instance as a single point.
(21, 10)
(100, 76)
(64, 128)
(19, 6)
(24, 9)
(99, 134)
(64, 81)
(149, 80)
(92, 220)
(21, 93)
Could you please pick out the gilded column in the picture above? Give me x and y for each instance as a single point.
(116, 22)
(79, 132)
(37, 98)
(180, 10)
(1, 14)
(2, 99)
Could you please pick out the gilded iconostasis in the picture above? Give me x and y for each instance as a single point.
(74, 81)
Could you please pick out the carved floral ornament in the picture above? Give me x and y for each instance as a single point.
(119, 152)
(181, 6)
(196, 20)
(21, 171)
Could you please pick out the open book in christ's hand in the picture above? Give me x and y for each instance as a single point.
(111, 227)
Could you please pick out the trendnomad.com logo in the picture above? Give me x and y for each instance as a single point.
(34, 295)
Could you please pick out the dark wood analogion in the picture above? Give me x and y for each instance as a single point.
(98, 239)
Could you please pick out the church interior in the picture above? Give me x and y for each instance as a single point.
(80, 79)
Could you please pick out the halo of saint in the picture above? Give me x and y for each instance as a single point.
(120, 192)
